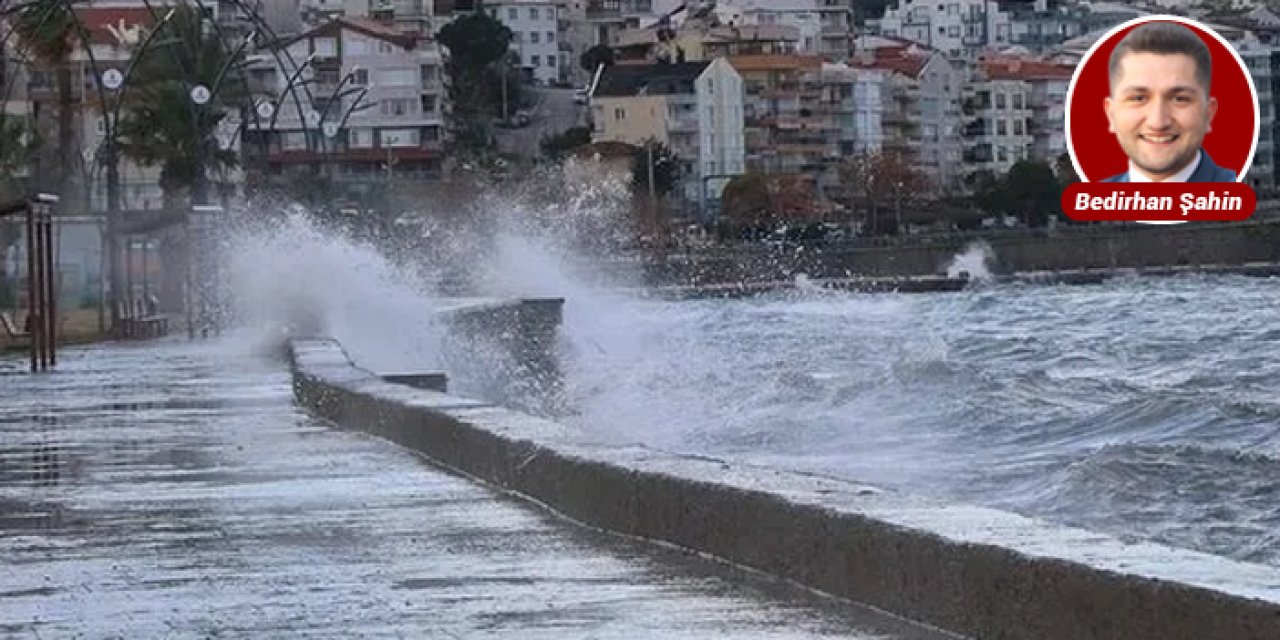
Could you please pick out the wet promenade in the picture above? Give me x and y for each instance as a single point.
(174, 490)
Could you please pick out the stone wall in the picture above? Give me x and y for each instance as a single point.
(973, 571)
(1014, 251)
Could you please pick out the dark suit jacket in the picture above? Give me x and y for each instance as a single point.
(1206, 172)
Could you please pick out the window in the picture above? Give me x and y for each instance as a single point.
(397, 107)
(551, 37)
(359, 138)
(535, 61)
(1017, 101)
(999, 100)
(398, 138)
(428, 104)
(533, 13)
(386, 48)
(395, 78)
(551, 61)
(953, 9)
(325, 47)
(535, 38)
(360, 77)
(513, 14)
(1002, 154)
(1001, 128)
(428, 75)
(954, 31)
(1017, 127)
(619, 114)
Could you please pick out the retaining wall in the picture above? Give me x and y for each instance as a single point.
(973, 571)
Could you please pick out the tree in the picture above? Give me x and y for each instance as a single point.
(1034, 191)
(990, 193)
(46, 29)
(1065, 170)
(556, 146)
(879, 178)
(745, 201)
(478, 45)
(666, 168)
(598, 55)
(162, 126)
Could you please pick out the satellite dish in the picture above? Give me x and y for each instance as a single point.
(265, 110)
(330, 129)
(200, 94)
(313, 118)
(112, 79)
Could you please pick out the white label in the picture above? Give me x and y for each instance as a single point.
(200, 94)
(112, 79)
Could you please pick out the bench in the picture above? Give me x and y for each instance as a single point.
(140, 325)
(11, 328)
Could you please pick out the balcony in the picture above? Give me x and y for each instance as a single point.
(604, 10)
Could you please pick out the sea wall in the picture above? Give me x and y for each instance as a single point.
(973, 571)
(1108, 247)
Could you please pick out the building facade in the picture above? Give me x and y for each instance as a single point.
(535, 36)
(372, 105)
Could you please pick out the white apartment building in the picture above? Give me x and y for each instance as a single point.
(825, 27)
(922, 113)
(694, 108)
(535, 36)
(721, 146)
(958, 28)
(372, 102)
(1258, 59)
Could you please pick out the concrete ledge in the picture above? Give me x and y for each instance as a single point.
(973, 571)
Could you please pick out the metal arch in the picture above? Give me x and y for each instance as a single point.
(276, 52)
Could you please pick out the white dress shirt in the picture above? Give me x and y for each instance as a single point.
(1137, 175)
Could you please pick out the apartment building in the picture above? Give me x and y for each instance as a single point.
(371, 105)
(856, 100)
(1015, 110)
(788, 129)
(967, 28)
(824, 27)
(695, 108)
(693, 42)
(535, 36)
(1261, 61)
(922, 116)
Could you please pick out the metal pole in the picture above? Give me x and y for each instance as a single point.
(33, 326)
(51, 287)
(191, 293)
(146, 275)
(653, 193)
(128, 274)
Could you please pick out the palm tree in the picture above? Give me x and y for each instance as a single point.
(162, 126)
(46, 30)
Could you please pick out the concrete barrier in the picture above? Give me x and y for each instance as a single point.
(969, 570)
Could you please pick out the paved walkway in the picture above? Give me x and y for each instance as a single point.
(173, 490)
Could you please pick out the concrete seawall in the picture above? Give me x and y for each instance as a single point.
(969, 570)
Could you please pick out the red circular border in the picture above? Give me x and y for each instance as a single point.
(1233, 132)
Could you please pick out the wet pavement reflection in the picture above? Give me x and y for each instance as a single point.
(174, 490)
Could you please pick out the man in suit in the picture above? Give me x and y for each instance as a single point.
(1160, 108)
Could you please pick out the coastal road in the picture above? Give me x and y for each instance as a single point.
(173, 489)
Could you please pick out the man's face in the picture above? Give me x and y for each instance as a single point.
(1159, 111)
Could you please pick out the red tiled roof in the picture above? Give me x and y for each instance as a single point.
(778, 62)
(1021, 69)
(97, 19)
(896, 60)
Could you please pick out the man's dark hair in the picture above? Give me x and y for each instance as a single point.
(1164, 38)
